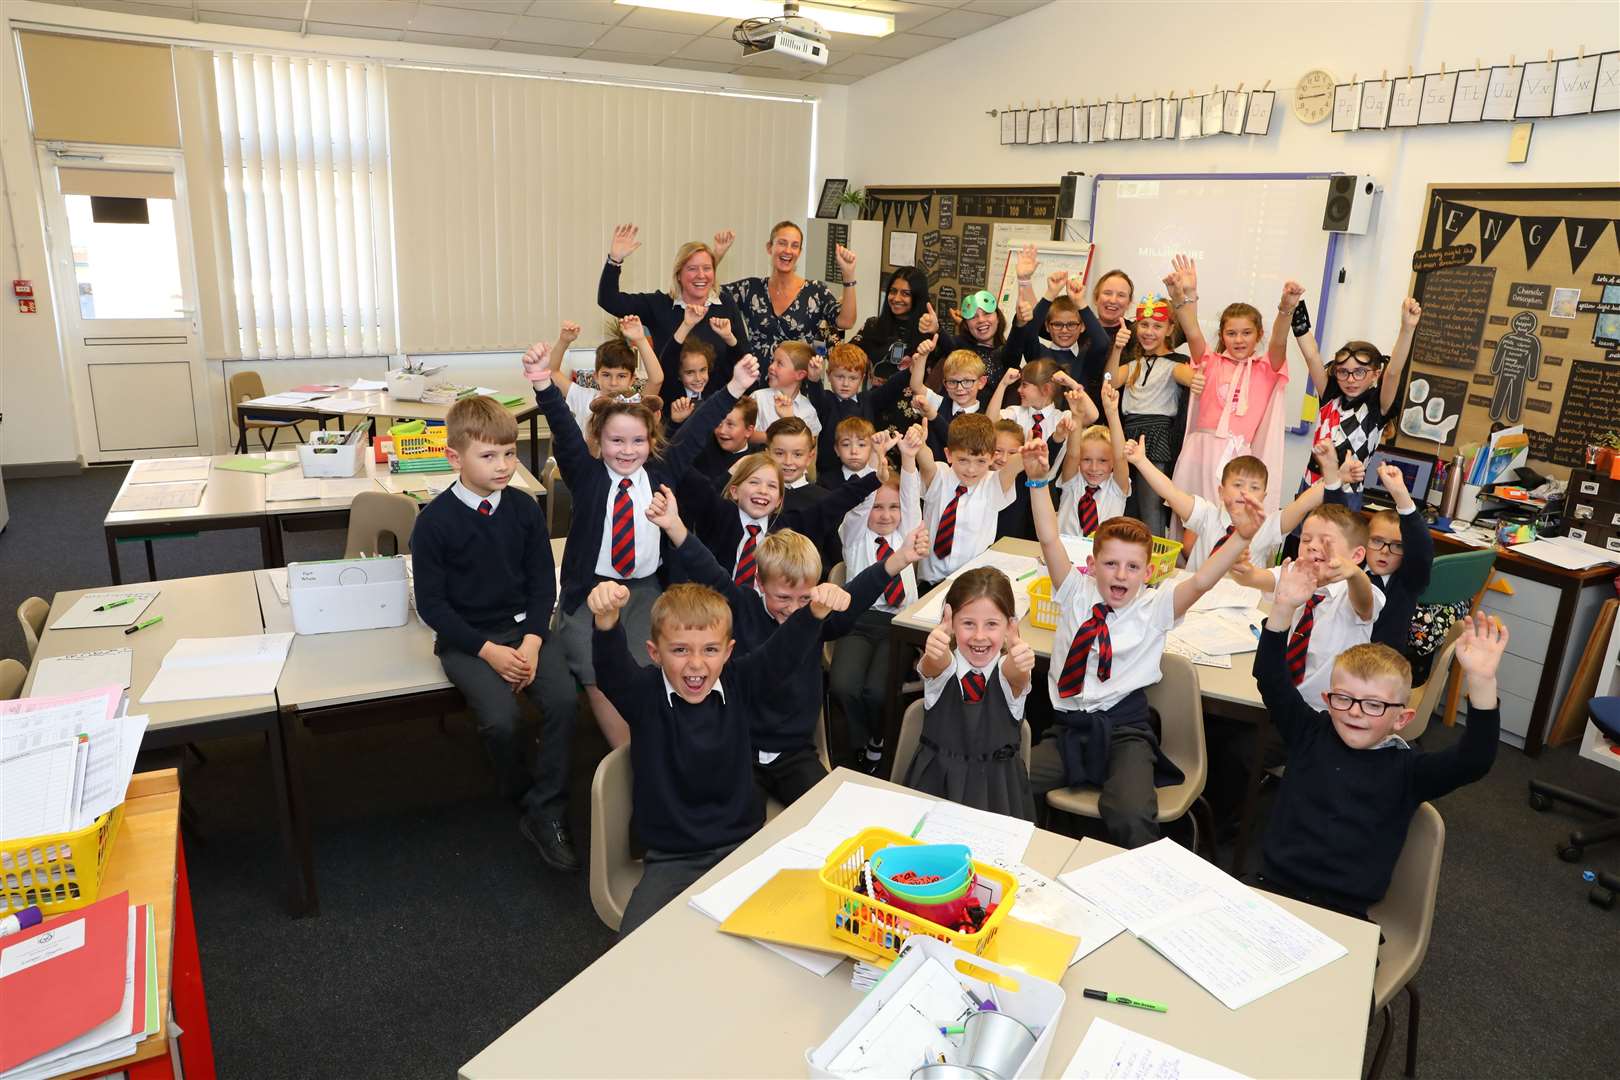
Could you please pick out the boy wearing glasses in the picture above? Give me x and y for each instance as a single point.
(1359, 390)
(964, 378)
(1352, 785)
(1400, 554)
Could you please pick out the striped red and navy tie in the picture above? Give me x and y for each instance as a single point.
(1225, 536)
(1300, 643)
(624, 531)
(945, 535)
(745, 559)
(485, 508)
(1035, 428)
(1093, 631)
(1088, 510)
(973, 687)
(894, 593)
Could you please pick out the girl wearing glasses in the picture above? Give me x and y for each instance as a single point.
(1359, 389)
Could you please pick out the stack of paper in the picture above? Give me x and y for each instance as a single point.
(368, 384)
(287, 398)
(199, 668)
(348, 403)
(64, 761)
(1020, 570)
(78, 990)
(113, 607)
(1219, 633)
(155, 496)
(1567, 553)
(1115, 1053)
(1225, 936)
(168, 470)
(296, 487)
(58, 675)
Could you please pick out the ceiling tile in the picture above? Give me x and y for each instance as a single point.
(958, 23)
(625, 39)
(536, 48)
(454, 41)
(161, 11)
(697, 65)
(916, 14)
(862, 66)
(711, 50)
(1007, 9)
(504, 7)
(602, 12)
(553, 31)
(258, 22)
(461, 21)
(609, 56)
(833, 77)
(370, 33)
(903, 46)
(380, 13)
(675, 22)
(246, 7)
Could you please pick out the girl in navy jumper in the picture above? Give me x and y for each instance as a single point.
(611, 538)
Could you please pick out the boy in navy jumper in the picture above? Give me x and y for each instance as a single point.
(692, 795)
(1353, 784)
(1400, 554)
(485, 584)
(846, 369)
(732, 441)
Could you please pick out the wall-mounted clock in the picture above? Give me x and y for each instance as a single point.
(1313, 97)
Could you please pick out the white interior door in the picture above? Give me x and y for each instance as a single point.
(126, 289)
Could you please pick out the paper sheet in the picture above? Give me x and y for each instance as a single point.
(346, 403)
(346, 487)
(1178, 647)
(199, 668)
(58, 675)
(1047, 903)
(1567, 553)
(83, 613)
(1115, 1053)
(105, 754)
(278, 582)
(155, 496)
(368, 384)
(1219, 633)
(991, 837)
(906, 1028)
(723, 898)
(1135, 887)
(168, 470)
(286, 398)
(1014, 566)
(37, 788)
(854, 807)
(434, 482)
(291, 487)
(1226, 594)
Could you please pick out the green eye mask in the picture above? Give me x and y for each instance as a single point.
(982, 300)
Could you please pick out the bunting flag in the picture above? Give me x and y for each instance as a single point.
(1453, 216)
(1492, 227)
(1535, 232)
(885, 208)
(1582, 234)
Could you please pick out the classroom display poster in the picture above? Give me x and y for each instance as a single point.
(1520, 287)
(959, 237)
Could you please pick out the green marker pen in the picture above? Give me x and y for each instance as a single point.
(154, 620)
(1121, 999)
(116, 603)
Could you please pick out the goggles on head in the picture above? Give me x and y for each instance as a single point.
(1153, 308)
(983, 300)
(1372, 360)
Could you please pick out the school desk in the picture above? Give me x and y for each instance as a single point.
(679, 998)
(219, 605)
(1314, 1026)
(147, 860)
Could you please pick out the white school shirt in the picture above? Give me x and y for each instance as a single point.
(766, 399)
(1210, 519)
(471, 501)
(1335, 627)
(859, 542)
(1109, 498)
(934, 687)
(1025, 417)
(936, 401)
(579, 402)
(647, 534)
(1136, 632)
(975, 520)
(864, 507)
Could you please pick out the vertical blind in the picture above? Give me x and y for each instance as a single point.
(301, 245)
(506, 190)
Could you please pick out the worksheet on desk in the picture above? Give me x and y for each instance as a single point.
(1110, 1052)
(83, 613)
(168, 470)
(57, 675)
(178, 496)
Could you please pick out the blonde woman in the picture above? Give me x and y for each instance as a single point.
(691, 306)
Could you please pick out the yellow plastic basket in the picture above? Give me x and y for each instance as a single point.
(1043, 610)
(884, 929)
(58, 872)
(1163, 559)
(418, 445)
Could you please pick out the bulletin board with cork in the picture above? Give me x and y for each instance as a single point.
(960, 236)
(1520, 287)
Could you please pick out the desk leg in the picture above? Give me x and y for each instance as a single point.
(295, 841)
(112, 558)
(891, 702)
(1541, 717)
(270, 542)
(1251, 793)
(241, 434)
(151, 562)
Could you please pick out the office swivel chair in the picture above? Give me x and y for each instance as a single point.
(1604, 713)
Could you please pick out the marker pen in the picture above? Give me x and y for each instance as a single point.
(1121, 999)
(143, 625)
(20, 920)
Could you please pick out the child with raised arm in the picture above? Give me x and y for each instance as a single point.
(962, 374)
(976, 677)
(961, 503)
(783, 396)
(1360, 389)
(846, 369)
(1095, 478)
(1353, 784)
(692, 361)
(1105, 653)
(1154, 381)
(983, 328)
(1239, 412)
(616, 360)
(783, 732)
(1400, 555)
(610, 538)
(692, 794)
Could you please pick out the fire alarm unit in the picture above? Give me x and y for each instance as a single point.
(22, 287)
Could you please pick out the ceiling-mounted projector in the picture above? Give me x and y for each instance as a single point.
(791, 35)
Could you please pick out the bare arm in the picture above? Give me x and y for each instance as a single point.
(561, 377)
(1182, 281)
(1246, 519)
(1277, 348)
(926, 466)
(846, 302)
(637, 335)
(1284, 328)
(1045, 515)
(1010, 376)
(1116, 431)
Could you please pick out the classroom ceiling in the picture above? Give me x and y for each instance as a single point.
(595, 29)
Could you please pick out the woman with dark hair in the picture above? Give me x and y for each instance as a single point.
(906, 318)
(786, 306)
(983, 328)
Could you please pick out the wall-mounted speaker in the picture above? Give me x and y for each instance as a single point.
(1349, 204)
(1074, 197)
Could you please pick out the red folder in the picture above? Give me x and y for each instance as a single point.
(138, 1026)
(316, 388)
(60, 998)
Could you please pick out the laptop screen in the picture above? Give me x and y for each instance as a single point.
(1418, 469)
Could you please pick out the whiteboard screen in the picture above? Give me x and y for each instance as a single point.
(1249, 235)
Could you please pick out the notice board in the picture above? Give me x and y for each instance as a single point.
(1520, 287)
(960, 236)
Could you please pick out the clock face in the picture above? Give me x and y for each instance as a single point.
(1313, 97)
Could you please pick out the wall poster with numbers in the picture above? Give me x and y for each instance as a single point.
(957, 229)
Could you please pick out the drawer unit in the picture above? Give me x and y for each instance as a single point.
(1531, 600)
(1526, 639)
(1518, 675)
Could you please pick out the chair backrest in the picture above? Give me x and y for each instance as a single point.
(614, 872)
(838, 574)
(12, 677)
(1181, 715)
(1426, 698)
(911, 725)
(375, 514)
(1406, 913)
(31, 614)
(559, 503)
(244, 386)
(1458, 576)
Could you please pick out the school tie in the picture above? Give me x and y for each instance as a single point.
(1300, 643)
(624, 531)
(945, 535)
(894, 593)
(1225, 536)
(1035, 428)
(745, 560)
(973, 687)
(1093, 631)
(484, 507)
(1088, 510)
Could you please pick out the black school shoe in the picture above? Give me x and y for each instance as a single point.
(550, 837)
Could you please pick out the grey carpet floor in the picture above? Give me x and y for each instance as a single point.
(440, 928)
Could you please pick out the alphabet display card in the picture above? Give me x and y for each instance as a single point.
(1503, 92)
(1130, 124)
(1258, 122)
(1374, 105)
(1575, 84)
(1237, 103)
(1406, 101)
(1438, 93)
(1607, 97)
(1536, 91)
(1346, 107)
(1192, 115)
(1468, 103)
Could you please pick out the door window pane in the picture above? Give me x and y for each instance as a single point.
(125, 269)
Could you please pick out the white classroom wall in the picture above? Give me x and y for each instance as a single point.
(38, 427)
(1091, 49)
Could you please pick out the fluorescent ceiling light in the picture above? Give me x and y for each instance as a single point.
(839, 20)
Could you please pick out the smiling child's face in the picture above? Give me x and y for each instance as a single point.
(1120, 569)
(792, 455)
(980, 629)
(694, 373)
(1007, 447)
(1096, 461)
(1355, 728)
(732, 433)
(759, 495)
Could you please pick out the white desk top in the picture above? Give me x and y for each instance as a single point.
(219, 605)
(381, 403)
(679, 998)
